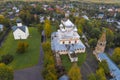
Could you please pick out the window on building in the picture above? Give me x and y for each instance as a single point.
(75, 41)
(69, 42)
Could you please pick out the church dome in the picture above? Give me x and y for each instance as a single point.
(60, 25)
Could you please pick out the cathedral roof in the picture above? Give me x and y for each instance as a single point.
(67, 23)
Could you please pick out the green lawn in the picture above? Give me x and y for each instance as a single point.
(27, 59)
(66, 61)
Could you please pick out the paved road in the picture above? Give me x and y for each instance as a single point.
(32, 73)
(89, 66)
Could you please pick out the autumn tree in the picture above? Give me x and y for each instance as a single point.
(100, 74)
(2, 18)
(49, 71)
(109, 37)
(22, 47)
(50, 76)
(26, 16)
(47, 28)
(103, 64)
(116, 55)
(4, 21)
(46, 46)
(40, 28)
(74, 73)
(80, 29)
(6, 73)
(92, 77)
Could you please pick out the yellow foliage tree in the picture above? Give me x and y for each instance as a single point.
(74, 73)
(100, 74)
(116, 55)
(47, 28)
(2, 18)
(6, 73)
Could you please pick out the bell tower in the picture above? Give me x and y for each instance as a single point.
(101, 44)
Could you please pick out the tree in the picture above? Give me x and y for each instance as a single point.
(6, 73)
(4, 21)
(40, 27)
(100, 74)
(22, 47)
(7, 58)
(109, 37)
(46, 46)
(49, 72)
(92, 42)
(2, 18)
(95, 33)
(74, 72)
(26, 17)
(117, 39)
(116, 55)
(92, 77)
(47, 28)
(50, 76)
(103, 64)
(80, 29)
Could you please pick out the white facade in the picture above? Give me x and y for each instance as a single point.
(20, 31)
(67, 41)
(19, 34)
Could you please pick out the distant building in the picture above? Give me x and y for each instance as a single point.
(1, 27)
(20, 31)
(85, 17)
(67, 41)
(101, 16)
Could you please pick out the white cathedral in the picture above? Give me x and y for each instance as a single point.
(67, 41)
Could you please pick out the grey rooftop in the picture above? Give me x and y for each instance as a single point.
(23, 28)
(114, 70)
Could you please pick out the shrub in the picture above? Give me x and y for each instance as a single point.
(6, 73)
(22, 47)
(7, 58)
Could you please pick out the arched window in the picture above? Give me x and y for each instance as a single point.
(63, 42)
(75, 41)
(69, 42)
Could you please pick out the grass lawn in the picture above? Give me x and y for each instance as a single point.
(66, 61)
(27, 59)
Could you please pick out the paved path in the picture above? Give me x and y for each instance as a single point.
(4, 36)
(89, 66)
(32, 73)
